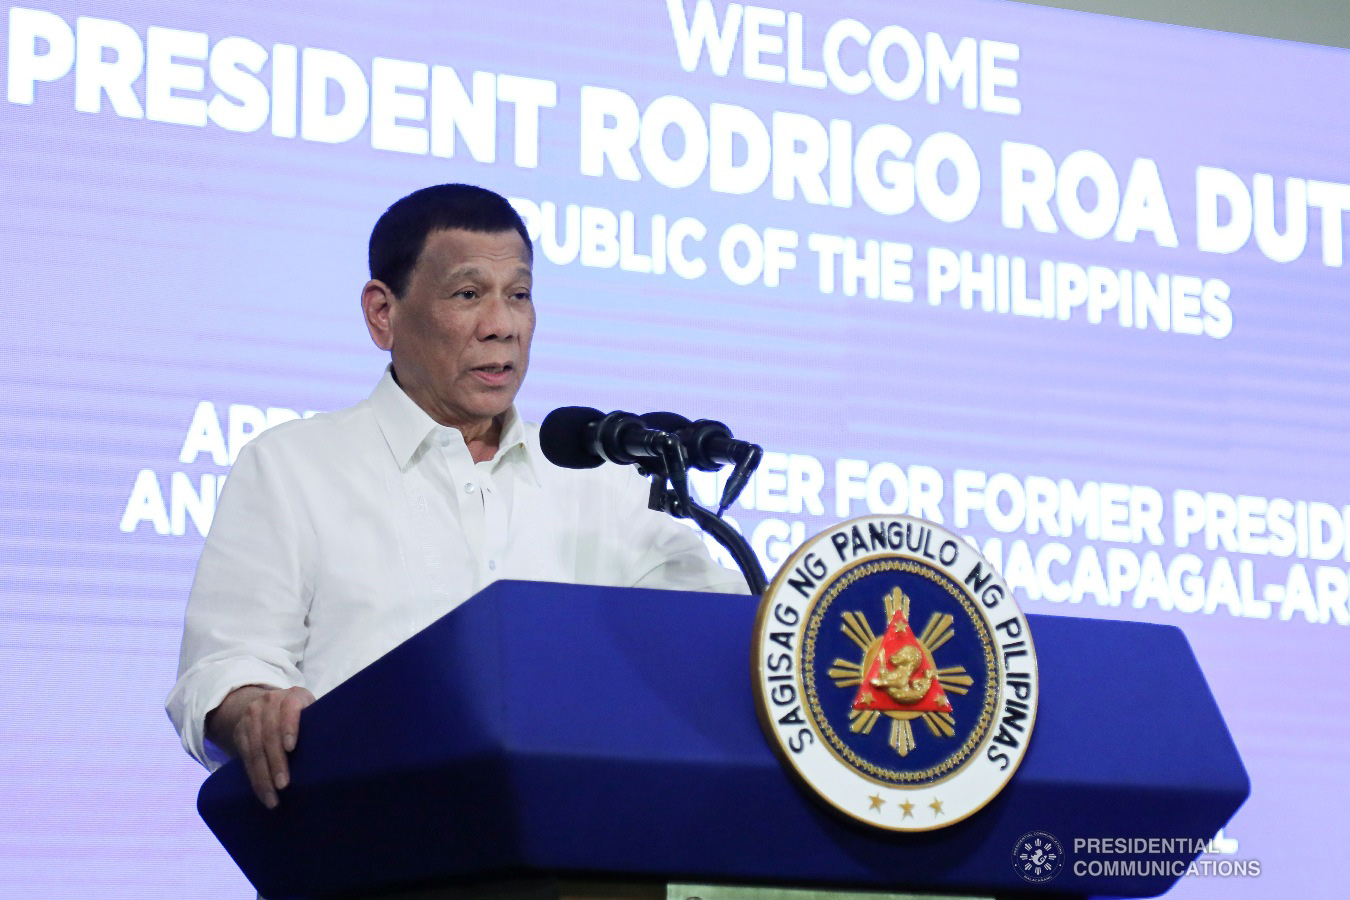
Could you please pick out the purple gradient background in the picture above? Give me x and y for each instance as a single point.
(151, 266)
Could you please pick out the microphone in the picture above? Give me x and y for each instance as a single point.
(710, 446)
(562, 437)
(669, 422)
(708, 442)
(579, 437)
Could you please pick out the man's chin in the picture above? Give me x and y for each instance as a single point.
(491, 402)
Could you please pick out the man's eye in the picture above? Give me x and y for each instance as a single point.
(522, 295)
(467, 293)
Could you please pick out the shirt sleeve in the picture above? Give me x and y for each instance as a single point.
(246, 615)
(666, 553)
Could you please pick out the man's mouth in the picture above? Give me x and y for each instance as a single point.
(494, 374)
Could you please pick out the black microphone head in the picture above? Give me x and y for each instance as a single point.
(706, 442)
(562, 437)
(665, 421)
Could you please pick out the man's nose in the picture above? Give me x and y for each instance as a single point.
(496, 321)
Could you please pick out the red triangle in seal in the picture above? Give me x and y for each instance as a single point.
(901, 678)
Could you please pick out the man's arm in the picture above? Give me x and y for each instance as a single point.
(246, 627)
(260, 725)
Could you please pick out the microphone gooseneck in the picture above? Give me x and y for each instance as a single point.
(710, 446)
(665, 446)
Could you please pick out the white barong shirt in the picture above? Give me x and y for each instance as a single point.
(338, 537)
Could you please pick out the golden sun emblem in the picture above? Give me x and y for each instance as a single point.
(897, 676)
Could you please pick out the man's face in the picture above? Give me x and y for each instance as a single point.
(460, 334)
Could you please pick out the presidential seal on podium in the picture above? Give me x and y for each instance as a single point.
(894, 673)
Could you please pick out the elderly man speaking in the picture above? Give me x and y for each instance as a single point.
(339, 536)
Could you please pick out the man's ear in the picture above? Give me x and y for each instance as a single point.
(377, 302)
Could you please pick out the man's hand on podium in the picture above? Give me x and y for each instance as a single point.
(260, 725)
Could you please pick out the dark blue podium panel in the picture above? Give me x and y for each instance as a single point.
(565, 730)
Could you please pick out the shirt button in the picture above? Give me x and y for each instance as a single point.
(492, 564)
(468, 487)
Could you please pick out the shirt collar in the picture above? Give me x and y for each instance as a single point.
(515, 443)
(406, 427)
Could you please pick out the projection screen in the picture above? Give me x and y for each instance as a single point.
(1072, 286)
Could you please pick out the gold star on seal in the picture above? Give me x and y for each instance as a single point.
(908, 809)
(936, 806)
(876, 801)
